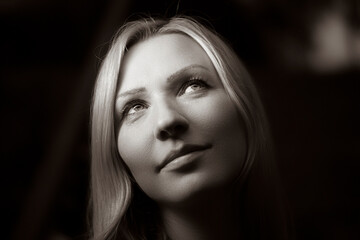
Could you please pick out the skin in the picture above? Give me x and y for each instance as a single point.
(170, 95)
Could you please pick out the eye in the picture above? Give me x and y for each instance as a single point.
(193, 85)
(134, 107)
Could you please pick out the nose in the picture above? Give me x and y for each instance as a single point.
(170, 123)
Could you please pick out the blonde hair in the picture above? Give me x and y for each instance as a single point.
(112, 188)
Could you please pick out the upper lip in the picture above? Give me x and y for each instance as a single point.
(185, 149)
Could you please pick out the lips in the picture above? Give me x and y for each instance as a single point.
(184, 150)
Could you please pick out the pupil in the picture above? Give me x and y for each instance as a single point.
(195, 86)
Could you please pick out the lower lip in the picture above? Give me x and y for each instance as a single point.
(184, 161)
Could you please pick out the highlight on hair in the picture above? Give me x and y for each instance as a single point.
(114, 195)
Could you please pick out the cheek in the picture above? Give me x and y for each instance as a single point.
(137, 151)
(230, 129)
(134, 148)
(218, 117)
(221, 124)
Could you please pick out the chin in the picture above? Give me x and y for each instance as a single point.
(192, 189)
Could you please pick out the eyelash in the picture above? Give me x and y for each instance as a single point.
(133, 103)
(130, 105)
(191, 81)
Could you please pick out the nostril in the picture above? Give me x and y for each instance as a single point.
(172, 131)
(180, 128)
(163, 135)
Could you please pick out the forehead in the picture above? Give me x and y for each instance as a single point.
(159, 57)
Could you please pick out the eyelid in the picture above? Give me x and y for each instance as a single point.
(128, 105)
(191, 80)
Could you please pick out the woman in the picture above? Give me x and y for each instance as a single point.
(180, 144)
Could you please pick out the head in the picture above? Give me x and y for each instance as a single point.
(235, 109)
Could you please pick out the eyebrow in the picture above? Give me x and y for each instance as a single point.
(171, 78)
(178, 73)
(132, 92)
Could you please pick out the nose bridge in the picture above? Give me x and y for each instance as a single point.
(166, 111)
(168, 118)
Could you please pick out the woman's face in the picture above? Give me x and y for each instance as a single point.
(178, 131)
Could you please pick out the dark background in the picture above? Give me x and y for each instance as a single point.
(305, 59)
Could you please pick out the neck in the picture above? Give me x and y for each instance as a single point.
(211, 218)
